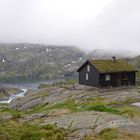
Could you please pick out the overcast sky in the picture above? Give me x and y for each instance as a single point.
(89, 24)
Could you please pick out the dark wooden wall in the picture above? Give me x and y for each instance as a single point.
(132, 78)
(104, 83)
(93, 76)
(113, 79)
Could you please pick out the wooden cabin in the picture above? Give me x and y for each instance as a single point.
(106, 73)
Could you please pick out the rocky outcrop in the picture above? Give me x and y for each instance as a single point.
(56, 94)
(3, 93)
(50, 105)
(96, 121)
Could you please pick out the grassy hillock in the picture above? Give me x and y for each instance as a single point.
(13, 130)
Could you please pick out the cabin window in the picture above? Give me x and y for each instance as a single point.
(87, 76)
(107, 77)
(88, 68)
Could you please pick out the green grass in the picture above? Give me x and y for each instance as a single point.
(71, 81)
(15, 114)
(42, 94)
(42, 85)
(108, 134)
(102, 108)
(130, 111)
(68, 81)
(17, 131)
(37, 109)
(69, 104)
(110, 66)
(112, 134)
(97, 105)
(119, 104)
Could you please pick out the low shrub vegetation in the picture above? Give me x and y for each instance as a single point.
(42, 85)
(16, 131)
(71, 81)
(69, 104)
(15, 114)
(108, 134)
(130, 111)
(112, 134)
(102, 108)
(85, 106)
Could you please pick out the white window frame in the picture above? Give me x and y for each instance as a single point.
(107, 77)
(88, 68)
(87, 76)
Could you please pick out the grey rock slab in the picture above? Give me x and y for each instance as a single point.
(26, 118)
(95, 121)
(88, 120)
(133, 128)
(30, 104)
(21, 104)
(118, 123)
(56, 98)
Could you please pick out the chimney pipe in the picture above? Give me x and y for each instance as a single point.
(114, 59)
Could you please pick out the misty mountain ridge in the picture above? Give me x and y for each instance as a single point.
(47, 61)
(95, 53)
(107, 54)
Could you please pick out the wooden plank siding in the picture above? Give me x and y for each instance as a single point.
(111, 82)
(113, 79)
(93, 76)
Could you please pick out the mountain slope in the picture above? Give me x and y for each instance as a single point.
(136, 63)
(38, 60)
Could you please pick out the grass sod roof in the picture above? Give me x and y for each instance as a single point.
(105, 66)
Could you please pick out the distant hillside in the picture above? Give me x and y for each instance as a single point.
(40, 61)
(136, 63)
(33, 61)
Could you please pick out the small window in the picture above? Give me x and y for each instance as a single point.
(88, 68)
(87, 76)
(107, 77)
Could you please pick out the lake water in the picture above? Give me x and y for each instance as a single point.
(30, 85)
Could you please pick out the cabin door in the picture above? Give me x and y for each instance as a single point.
(121, 79)
(118, 79)
(125, 79)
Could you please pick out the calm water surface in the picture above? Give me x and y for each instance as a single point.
(30, 85)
